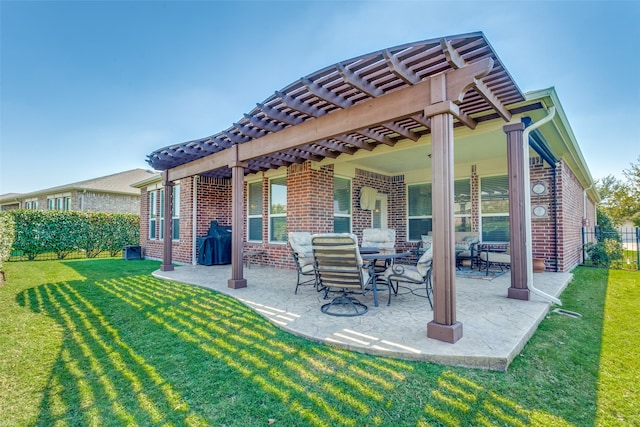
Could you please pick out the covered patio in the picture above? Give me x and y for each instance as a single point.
(496, 327)
(388, 120)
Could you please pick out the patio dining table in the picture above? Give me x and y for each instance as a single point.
(373, 255)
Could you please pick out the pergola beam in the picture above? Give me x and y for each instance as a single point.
(369, 133)
(399, 69)
(354, 80)
(246, 130)
(264, 124)
(406, 133)
(280, 116)
(358, 143)
(300, 106)
(325, 94)
(487, 94)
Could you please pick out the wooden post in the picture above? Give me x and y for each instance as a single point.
(517, 217)
(167, 244)
(237, 224)
(444, 326)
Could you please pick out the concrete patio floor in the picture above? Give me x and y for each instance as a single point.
(495, 328)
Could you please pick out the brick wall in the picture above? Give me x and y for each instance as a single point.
(570, 212)
(543, 228)
(104, 202)
(310, 208)
(361, 219)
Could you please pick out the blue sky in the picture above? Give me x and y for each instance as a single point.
(90, 88)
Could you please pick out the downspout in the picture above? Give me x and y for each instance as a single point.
(194, 220)
(527, 206)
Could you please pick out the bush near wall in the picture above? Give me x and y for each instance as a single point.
(63, 232)
(7, 234)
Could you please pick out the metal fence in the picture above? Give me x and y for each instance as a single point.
(49, 256)
(617, 249)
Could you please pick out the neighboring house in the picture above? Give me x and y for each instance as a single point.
(112, 193)
(435, 135)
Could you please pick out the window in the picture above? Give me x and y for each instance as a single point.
(462, 204)
(156, 214)
(59, 203)
(161, 213)
(494, 208)
(175, 214)
(254, 211)
(153, 215)
(51, 204)
(341, 205)
(31, 204)
(66, 204)
(278, 210)
(419, 210)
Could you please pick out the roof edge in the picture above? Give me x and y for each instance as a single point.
(550, 98)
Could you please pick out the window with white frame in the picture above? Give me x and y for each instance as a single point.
(31, 204)
(51, 204)
(254, 211)
(278, 210)
(66, 203)
(161, 212)
(175, 214)
(341, 205)
(494, 208)
(462, 204)
(419, 210)
(153, 214)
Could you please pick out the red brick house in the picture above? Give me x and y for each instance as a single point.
(438, 129)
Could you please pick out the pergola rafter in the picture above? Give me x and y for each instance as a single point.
(353, 82)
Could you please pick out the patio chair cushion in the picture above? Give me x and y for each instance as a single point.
(496, 257)
(427, 241)
(415, 273)
(382, 238)
(300, 242)
(353, 238)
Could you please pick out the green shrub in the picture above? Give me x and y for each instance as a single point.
(62, 232)
(7, 235)
(605, 251)
(32, 232)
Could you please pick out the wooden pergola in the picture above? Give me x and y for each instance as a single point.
(398, 93)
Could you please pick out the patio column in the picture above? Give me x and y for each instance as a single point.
(167, 244)
(237, 224)
(444, 326)
(517, 158)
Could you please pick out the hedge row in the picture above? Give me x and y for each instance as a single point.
(7, 234)
(62, 232)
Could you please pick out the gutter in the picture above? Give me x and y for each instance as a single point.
(527, 206)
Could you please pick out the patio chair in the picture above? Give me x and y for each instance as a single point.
(420, 274)
(494, 254)
(300, 244)
(340, 268)
(382, 239)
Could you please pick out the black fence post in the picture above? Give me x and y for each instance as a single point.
(584, 243)
(638, 248)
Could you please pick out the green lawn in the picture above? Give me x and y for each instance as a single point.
(101, 342)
